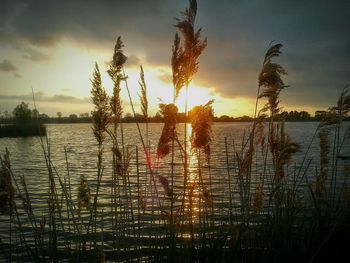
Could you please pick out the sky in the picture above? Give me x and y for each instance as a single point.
(51, 47)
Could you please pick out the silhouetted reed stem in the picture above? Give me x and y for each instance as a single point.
(229, 183)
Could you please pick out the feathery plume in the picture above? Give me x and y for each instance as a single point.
(143, 96)
(335, 115)
(274, 51)
(201, 118)
(270, 79)
(342, 109)
(176, 65)
(260, 138)
(168, 111)
(119, 59)
(282, 148)
(115, 72)
(192, 46)
(100, 115)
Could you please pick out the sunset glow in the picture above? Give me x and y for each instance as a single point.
(57, 59)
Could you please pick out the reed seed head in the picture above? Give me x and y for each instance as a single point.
(143, 96)
(101, 114)
(169, 112)
(270, 79)
(201, 118)
(186, 56)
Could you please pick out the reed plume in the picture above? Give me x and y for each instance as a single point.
(119, 59)
(168, 111)
(282, 148)
(100, 115)
(259, 129)
(201, 118)
(176, 65)
(185, 57)
(343, 105)
(144, 101)
(185, 60)
(116, 74)
(100, 120)
(143, 96)
(270, 79)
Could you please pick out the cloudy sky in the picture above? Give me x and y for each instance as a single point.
(52, 46)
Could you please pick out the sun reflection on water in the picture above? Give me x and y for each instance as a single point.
(192, 197)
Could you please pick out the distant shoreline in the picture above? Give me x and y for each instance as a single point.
(215, 121)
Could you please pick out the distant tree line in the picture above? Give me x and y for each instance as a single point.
(22, 113)
(23, 122)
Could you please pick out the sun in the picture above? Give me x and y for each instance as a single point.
(196, 95)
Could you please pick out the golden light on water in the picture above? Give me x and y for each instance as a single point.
(193, 187)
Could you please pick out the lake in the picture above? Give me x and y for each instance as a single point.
(27, 158)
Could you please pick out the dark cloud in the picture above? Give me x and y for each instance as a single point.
(41, 96)
(44, 23)
(315, 53)
(314, 33)
(35, 55)
(7, 66)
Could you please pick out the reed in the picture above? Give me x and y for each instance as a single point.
(274, 203)
(100, 120)
(184, 65)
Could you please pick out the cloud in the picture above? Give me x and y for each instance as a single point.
(34, 55)
(42, 97)
(166, 78)
(314, 34)
(7, 66)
